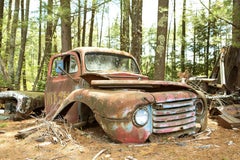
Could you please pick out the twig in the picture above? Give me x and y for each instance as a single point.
(99, 153)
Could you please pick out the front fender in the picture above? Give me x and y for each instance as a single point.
(109, 104)
(113, 110)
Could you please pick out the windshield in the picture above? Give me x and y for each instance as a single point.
(105, 62)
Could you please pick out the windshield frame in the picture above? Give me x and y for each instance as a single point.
(110, 62)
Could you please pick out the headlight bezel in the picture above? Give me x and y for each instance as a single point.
(199, 107)
(141, 116)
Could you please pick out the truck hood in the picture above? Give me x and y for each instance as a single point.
(113, 76)
(147, 85)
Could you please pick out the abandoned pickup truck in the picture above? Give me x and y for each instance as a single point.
(87, 84)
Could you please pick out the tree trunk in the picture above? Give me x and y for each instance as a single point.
(48, 42)
(92, 23)
(2, 65)
(194, 51)
(208, 41)
(84, 22)
(40, 33)
(159, 65)
(136, 17)
(5, 60)
(236, 22)
(183, 45)
(66, 26)
(101, 29)
(1, 22)
(24, 78)
(79, 24)
(173, 56)
(24, 29)
(12, 42)
(124, 26)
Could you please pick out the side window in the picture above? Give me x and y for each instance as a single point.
(73, 67)
(54, 72)
(69, 65)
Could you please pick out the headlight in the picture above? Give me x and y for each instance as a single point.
(199, 107)
(141, 116)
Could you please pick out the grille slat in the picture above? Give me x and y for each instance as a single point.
(174, 123)
(176, 104)
(173, 111)
(174, 129)
(166, 118)
(173, 116)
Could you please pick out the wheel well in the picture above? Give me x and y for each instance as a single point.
(77, 112)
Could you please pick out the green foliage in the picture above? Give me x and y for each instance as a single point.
(220, 32)
(2, 83)
(220, 35)
(147, 66)
(112, 40)
(2, 125)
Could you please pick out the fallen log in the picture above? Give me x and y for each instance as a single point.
(28, 131)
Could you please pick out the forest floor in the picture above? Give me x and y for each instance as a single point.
(215, 143)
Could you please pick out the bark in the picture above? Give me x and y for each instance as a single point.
(183, 45)
(79, 24)
(84, 22)
(40, 33)
(236, 22)
(101, 29)
(48, 43)
(8, 31)
(1, 22)
(92, 23)
(162, 25)
(66, 38)
(136, 17)
(2, 65)
(124, 27)
(24, 78)
(173, 56)
(194, 51)
(24, 29)
(12, 42)
(208, 42)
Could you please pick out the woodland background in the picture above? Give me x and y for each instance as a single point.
(184, 37)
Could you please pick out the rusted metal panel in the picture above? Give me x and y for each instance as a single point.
(174, 128)
(228, 121)
(157, 85)
(167, 118)
(173, 111)
(229, 116)
(177, 122)
(124, 131)
(22, 103)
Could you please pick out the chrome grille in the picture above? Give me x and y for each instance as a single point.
(173, 116)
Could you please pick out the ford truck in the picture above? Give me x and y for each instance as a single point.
(88, 84)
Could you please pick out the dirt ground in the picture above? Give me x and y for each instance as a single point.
(63, 143)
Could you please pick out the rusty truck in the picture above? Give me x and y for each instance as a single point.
(90, 84)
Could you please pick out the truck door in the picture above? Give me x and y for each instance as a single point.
(63, 77)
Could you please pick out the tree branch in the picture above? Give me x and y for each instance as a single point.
(225, 20)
